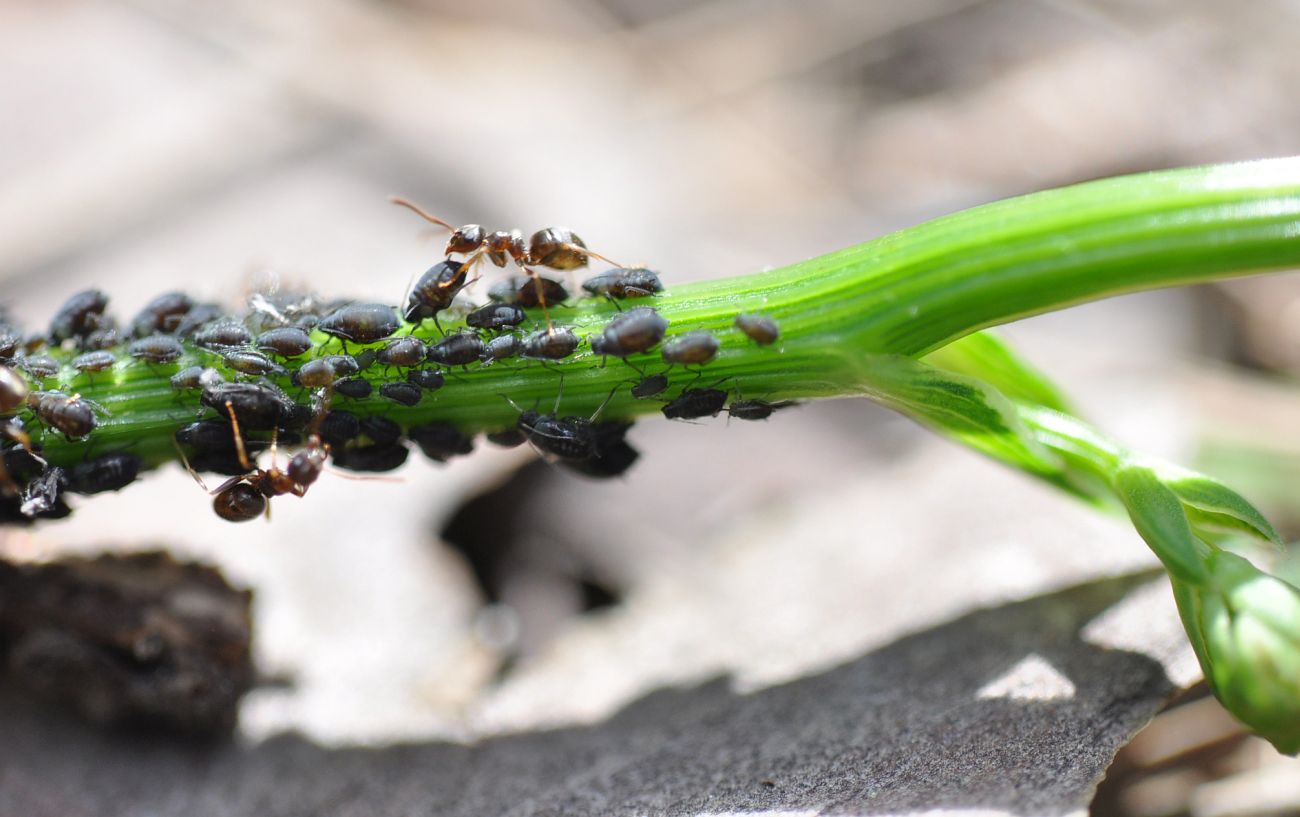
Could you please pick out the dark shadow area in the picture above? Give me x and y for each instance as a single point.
(900, 728)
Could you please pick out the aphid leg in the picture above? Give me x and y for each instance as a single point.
(603, 404)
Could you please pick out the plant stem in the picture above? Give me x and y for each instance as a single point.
(908, 293)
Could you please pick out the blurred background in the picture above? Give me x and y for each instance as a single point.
(149, 145)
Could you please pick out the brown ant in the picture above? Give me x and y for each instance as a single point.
(244, 497)
(555, 248)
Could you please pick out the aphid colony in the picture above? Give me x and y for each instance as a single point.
(263, 378)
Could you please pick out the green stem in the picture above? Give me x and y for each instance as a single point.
(903, 294)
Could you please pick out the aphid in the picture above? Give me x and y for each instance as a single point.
(456, 350)
(650, 386)
(373, 458)
(91, 362)
(381, 430)
(628, 333)
(550, 344)
(13, 390)
(358, 388)
(338, 427)
(196, 377)
(427, 379)
(109, 472)
(324, 372)
(71, 415)
(440, 441)
(496, 316)
(224, 333)
(403, 352)
(10, 340)
(756, 409)
(695, 403)
(40, 367)
(213, 435)
(435, 290)
(361, 323)
(623, 282)
(156, 349)
(402, 393)
(162, 314)
(80, 315)
(501, 347)
(199, 316)
(692, 348)
(247, 361)
(760, 328)
(540, 291)
(567, 438)
(258, 406)
(611, 455)
(285, 341)
(43, 493)
(507, 437)
(105, 338)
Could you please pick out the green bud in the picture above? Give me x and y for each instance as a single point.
(1245, 627)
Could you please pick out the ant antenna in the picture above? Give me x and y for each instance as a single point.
(419, 211)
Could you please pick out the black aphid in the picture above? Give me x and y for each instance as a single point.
(694, 403)
(501, 347)
(39, 366)
(374, 458)
(403, 352)
(692, 348)
(550, 344)
(402, 393)
(756, 409)
(338, 427)
(223, 333)
(156, 349)
(163, 314)
(247, 361)
(636, 330)
(80, 315)
(456, 350)
(435, 290)
(358, 388)
(381, 430)
(427, 379)
(71, 415)
(760, 328)
(109, 472)
(440, 441)
(650, 386)
(624, 282)
(496, 316)
(361, 323)
(196, 377)
(285, 341)
(96, 361)
(258, 406)
(324, 371)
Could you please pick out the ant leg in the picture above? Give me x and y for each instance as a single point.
(239, 438)
(541, 297)
(186, 462)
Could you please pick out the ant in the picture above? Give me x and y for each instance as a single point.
(555, 248)
(244, 497)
